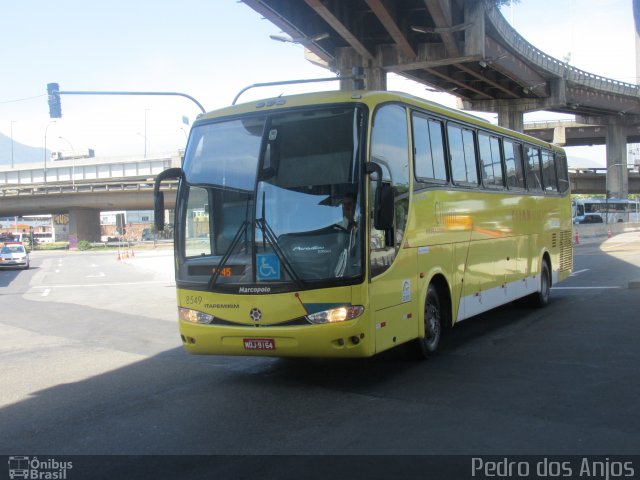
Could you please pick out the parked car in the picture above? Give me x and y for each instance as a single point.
(13, 254)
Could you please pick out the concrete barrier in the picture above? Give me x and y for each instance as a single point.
(595, 230)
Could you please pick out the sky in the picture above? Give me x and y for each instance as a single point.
(210, 49)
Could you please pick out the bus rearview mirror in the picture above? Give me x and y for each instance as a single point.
(158, 211)
(383, 216)
(158, 196)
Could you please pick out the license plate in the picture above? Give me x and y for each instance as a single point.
(259, 344)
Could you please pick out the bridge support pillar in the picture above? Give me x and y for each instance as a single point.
(375, 77)
(617, 173)
(84, 224)
(512, 117)
(559, 135)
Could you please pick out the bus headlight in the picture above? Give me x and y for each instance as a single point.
(193, 316)
(340, 314)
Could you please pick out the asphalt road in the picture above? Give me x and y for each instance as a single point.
(91, 363)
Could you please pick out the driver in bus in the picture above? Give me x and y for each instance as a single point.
(349, 257)
(348, 221)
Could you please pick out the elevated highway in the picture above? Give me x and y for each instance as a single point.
(463, 47)
(591, 181)
(570, 133)
(83, 188)
(112, 194)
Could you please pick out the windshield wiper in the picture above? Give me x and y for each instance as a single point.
(225, 258)
(267, 233)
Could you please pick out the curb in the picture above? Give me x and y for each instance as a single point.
(634, 284)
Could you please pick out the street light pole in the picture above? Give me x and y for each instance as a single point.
(145, 143)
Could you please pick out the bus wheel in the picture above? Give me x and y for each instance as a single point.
(428, 344)
(541, 297)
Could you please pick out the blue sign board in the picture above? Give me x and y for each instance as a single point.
(268, 266)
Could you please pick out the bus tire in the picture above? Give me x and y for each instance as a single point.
(426, 346)
(541, 297)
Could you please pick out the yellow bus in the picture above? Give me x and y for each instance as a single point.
(342, 224)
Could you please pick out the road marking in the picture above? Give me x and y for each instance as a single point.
(46, 292)
(579, 271)
(101, 274)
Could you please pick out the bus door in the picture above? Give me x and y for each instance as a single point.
(393, 287)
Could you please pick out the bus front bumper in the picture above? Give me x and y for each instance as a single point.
(347, 339)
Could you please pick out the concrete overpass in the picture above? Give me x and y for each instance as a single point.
(463, 47)
(570, 133)
(593, 181)
(83, 188)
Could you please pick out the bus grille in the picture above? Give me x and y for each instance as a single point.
(566, 251)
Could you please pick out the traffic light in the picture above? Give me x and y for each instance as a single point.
(120, 223)
(55, 110)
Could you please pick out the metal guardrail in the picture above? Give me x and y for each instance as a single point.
(555, 123)
(597, 170)
(81, 187)
(553, 65)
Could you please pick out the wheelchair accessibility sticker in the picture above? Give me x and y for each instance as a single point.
(268, 266)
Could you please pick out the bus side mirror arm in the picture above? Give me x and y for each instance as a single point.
(384, 201)
(158, 196)
(372, 167)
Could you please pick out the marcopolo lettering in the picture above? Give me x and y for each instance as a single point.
(254, 290)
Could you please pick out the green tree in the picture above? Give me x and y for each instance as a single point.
(84, 245)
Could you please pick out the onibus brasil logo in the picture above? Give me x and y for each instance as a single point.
(33, 468)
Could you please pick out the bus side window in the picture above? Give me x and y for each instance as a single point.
(390, 150)
(549, 179)
(197, 239)
(563, 173)
(462, 152)
(532, 162)
(513, 164)
(580, 210)
(490, 161)
(428, 146)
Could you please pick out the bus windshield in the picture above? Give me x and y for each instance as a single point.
(273, 200)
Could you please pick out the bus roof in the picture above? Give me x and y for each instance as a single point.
(368, 97)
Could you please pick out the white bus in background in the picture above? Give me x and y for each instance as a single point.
(601, 210)
(40, 228)
(44, 237)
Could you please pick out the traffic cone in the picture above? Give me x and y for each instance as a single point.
(577, 237)
(133, 254)
(609, 232)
